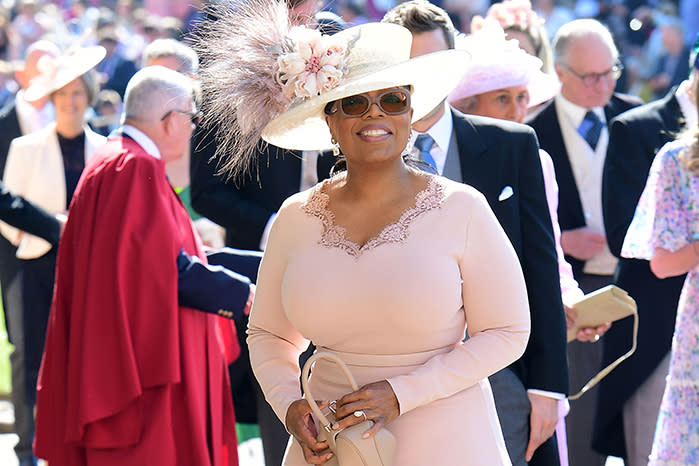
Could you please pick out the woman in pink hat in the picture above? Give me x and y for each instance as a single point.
(44, 167)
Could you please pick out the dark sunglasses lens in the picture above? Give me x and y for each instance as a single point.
(394, 102)
(355, 105)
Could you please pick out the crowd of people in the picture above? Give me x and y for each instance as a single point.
(196, 196)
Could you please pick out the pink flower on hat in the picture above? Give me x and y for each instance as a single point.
(315, 64)
(510, 13)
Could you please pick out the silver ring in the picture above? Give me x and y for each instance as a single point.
(360, 413)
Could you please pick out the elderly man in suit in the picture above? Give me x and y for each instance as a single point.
(629, 398)
(501, 160)
(572, 128)
(17, 119)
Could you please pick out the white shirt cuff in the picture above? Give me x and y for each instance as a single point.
(547, 394)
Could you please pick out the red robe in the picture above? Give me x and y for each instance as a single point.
(128, 376)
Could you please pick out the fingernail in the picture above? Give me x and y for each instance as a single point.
(365, 435)
(330, 455)
(335, 426)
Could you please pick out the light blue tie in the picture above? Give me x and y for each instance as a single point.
(424, 144)
(591, 129)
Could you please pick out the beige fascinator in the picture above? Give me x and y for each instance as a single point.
(56, 72)
(265, 79)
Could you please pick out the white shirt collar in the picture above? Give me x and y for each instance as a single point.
(440, 132)
(689, 110)
(575, 113)
(142, 139)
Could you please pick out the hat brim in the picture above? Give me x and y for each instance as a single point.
(69, 67)
(432, 77)
(542, 87)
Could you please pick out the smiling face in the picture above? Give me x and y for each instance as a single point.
(71, 102)
(375, 136)
(509, 103)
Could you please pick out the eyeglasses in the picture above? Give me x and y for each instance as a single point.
(194, 117)
(591, 79)
(393, 102)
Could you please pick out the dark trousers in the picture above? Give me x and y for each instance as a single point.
(513, 407)
(37, 291)
(584, 361)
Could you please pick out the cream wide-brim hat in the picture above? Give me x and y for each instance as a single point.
(379, 58)
(59, 71)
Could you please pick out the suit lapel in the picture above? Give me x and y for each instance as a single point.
(471, 146)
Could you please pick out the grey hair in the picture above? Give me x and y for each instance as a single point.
(577, 29)
(185, 56)
(155, 90)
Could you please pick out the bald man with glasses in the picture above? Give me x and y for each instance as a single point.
(572, 128)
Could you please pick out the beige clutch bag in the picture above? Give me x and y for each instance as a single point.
(607, 304)
(348, 445)
(604, 305)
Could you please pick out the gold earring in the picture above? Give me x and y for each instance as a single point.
(336, 147)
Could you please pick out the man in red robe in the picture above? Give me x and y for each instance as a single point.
(130, 376)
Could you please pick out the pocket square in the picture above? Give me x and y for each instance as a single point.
(506, 193)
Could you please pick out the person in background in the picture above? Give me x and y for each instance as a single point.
(18, 118)
(398, 234)
(665, 230)
(501, 160)
(572, 128)
(521, 22)
(629, 397)
(143, 339)
(107, 116)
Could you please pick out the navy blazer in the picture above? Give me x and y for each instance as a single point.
(27, 216)
(570, 211)
(635, 138)
(495, 154)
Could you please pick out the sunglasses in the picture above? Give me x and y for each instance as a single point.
(194, 117)
(393, 102)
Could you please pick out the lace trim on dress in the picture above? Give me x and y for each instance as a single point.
(334, 236)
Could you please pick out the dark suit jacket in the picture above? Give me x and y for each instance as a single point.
(495, 154)
(570, 211)
(635, 137)
(244, 207)
(9, 264)
(26, 216)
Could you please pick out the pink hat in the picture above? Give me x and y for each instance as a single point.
(497, 63)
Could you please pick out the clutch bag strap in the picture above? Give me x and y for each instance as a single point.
(304, 383)
(604, 372)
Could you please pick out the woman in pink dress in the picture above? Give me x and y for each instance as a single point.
(383, 265)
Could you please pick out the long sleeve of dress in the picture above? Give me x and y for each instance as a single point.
(497, 316)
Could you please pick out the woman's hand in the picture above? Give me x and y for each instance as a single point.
(300, 424)
(375, 401)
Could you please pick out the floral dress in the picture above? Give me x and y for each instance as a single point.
(667, 216)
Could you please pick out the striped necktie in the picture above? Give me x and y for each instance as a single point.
(424, 144)
(591, 129)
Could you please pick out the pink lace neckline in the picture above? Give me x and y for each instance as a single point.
(334, 236)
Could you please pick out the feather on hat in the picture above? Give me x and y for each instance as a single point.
(264, 78)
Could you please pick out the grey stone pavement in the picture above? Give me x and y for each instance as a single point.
(250, 452)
